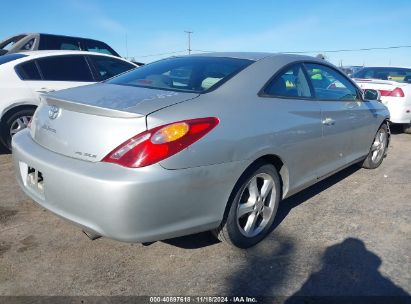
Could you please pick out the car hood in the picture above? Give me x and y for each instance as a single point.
(122, 98)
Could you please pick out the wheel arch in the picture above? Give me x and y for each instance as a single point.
(15, 108)
(272, 159)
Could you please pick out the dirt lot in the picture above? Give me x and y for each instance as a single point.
(348, 235)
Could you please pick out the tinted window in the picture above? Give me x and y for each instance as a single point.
(10, 57)
(396, 74)
(329, 84)
(28, 71)
(290, 83)
(65, 68)
(109, 67)
(50, 42)
(189, 74)
(98, 47)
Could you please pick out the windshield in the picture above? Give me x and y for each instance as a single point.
(10, 57)
(395, 74)
(187, 74)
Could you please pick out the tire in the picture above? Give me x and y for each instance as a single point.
(256, 207)
(378, 149)
(407, 128)
(14, 123)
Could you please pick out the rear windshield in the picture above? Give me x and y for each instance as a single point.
(395, 74)
(10, 57)
(187, 74)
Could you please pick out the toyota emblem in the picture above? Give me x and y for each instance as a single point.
(54, 112)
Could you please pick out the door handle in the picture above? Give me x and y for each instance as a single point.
(328, 121)
(44, 90)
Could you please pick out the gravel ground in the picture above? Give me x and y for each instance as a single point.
(348, 235)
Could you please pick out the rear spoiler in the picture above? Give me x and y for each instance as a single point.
(88, 109)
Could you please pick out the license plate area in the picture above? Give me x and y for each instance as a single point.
(32, 178)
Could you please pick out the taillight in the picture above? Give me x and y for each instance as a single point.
(159, 143)
(397, 92)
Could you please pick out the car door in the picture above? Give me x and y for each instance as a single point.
(346, 120)
(59, 72)
(106, 67)
(298, 116)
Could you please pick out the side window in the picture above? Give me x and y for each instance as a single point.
(109, 67)
(28, 71)
(329, 84)
(65, 68)
(98, 47)
(290, 83)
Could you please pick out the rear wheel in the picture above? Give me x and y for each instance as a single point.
(253, 207)
(407, 128)
(14, 123)
(378, 149)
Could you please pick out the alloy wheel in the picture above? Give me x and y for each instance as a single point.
(19, 124)
(378, 146)
(257, 204)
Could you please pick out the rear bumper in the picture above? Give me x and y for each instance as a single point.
(398, 110)
(134, 205)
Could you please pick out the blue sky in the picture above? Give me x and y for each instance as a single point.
(156, 27)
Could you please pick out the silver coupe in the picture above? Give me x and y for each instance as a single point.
(196, 143)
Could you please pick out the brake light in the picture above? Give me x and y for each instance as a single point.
(397, 92)
(154, 145)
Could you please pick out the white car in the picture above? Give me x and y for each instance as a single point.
(25, 76)
(394, 85)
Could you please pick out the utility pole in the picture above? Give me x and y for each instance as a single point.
(126, 46)
(189, 41)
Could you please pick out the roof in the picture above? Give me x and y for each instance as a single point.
(240, 55)
(388, 67)
(55, 35)
(45, 53)
(252, 55)
(39, 54)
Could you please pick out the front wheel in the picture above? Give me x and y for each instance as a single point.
(407, 128)
(378, 149)
(253, 207)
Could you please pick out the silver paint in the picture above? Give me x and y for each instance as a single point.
(187, 192)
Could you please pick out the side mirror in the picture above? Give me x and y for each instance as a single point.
(372, 94)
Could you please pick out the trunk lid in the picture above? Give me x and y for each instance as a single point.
(89, 122)
(377, 84)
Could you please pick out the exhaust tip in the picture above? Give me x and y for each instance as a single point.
(91, 235)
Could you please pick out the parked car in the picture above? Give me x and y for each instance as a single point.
(351, 69)
(25, 76)
(146, 156)
(37, 41)
(394, 85)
